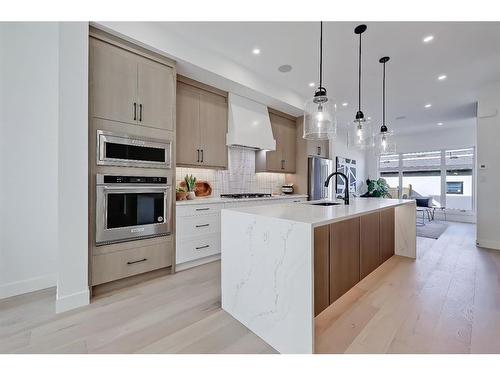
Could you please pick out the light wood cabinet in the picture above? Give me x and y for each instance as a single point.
(344, 257)
(201, 127)
(156, 94)
(369, 243)
(283, 158)
(387, 234)
(129, 88)
(113, 82)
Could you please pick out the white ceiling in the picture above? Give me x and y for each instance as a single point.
(467, 52)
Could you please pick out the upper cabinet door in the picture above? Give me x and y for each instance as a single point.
(275, 162)
(156, 94)
(188, 125)
(213, 129)
(289, 135)
(113, 82)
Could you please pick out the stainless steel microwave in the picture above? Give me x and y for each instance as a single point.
(130, 151)
(132, 207)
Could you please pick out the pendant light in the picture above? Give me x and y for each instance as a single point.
(384, 141)
(319, 112)
(360, 135)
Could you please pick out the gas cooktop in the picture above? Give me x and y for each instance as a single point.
(245, 195)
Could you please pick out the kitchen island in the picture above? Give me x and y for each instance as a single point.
(283, 264)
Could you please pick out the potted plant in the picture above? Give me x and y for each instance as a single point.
(180, 194)
(377, 188)
(190, 185)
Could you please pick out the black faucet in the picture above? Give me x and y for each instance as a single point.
(346, 190)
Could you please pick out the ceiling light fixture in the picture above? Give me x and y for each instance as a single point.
(439, 123)
(384, 142)
(428, 105)
(345, 104)
(428, 39)
(311, 84)
(256, 51)
(361, 135)
(442, 77)
(319, 111)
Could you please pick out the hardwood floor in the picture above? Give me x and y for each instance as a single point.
(172, 314)
(448, 301)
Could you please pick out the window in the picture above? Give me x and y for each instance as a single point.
(446, 176)
(454, 187)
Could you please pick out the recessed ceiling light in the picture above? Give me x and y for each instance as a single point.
(428, 105)
(428, 39)
(442, 77)
(311, 84)
(345, 104)
(368, 118)
(256, 51)
(439, 123)
(285, 68)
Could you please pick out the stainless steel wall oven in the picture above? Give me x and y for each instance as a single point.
(132, 207)
(130, 151)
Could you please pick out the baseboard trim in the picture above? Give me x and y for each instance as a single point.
(72, 301)
(27, 286)
(197, 262)
(488, 244)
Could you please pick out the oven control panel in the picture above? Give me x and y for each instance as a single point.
(109, 179)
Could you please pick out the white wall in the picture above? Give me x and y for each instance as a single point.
(488, 179)
(447, 137)
(72, 283)
(28, 156)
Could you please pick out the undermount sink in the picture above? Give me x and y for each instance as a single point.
(326, 204)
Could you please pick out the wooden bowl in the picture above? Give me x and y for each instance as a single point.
(201, 188)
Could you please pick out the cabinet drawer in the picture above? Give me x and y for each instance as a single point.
(188, 226)
(121, 264)
(197, 248)
(198, 209)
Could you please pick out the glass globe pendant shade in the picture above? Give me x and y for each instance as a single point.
(320, 119)
(384, 142)
(360, 134)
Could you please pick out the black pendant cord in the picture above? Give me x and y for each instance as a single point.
(321, 55)
(383, 60)
(383, 98)
(359, 75)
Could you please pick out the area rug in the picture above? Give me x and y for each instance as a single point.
(431, 229)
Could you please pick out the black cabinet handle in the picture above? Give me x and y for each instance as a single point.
(202, 225)
(202, 209)
(198, 157)
(135, 111)
(138, 261)
(140, 112)
(202, 247)
(202, 155)
(319, 150)
(282, 164)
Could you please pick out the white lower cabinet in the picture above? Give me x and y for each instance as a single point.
(198, 229)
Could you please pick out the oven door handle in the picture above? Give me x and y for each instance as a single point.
(138, 189)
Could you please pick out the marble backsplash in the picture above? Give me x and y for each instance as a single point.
(240, 177)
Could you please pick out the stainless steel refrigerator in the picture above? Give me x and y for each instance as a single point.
(318, 170)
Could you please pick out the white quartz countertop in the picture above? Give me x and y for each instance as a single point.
(323, 215)
(213, 200)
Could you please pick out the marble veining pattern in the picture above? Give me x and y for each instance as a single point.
(267, 279)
